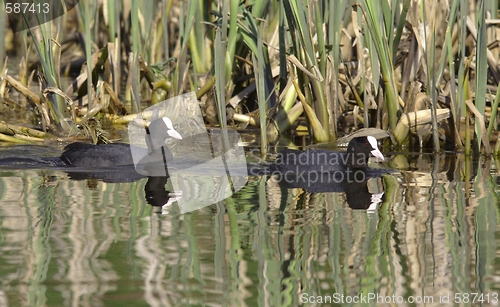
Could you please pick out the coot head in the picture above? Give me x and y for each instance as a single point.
(360, 149)
(158, 131)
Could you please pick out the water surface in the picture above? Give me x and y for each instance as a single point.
(66, 242)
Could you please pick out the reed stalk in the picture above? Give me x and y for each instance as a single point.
(3, 21)
(48, 49)
(374, 14)
(135, 56)
(481, 75)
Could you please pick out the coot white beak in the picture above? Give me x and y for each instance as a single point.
(375, 152)
(174, 134)
(170, 129)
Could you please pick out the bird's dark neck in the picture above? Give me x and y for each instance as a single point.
(357, 160)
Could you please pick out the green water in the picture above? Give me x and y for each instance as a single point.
(89, 243)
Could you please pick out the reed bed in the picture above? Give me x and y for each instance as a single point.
(427, 72)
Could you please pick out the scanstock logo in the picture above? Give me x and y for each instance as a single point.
(25, 14)
(203, 168)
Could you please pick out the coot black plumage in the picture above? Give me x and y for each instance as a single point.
(103, 155)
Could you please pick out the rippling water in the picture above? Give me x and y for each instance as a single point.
(434, 237)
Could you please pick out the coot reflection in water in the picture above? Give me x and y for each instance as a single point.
(353, 182)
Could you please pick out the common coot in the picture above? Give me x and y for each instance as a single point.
(86, 155)
(358, 152)
(119, 154)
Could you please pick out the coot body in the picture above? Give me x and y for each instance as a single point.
(104, 155)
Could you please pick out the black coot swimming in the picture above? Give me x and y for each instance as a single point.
(322, 171)
(86, 155)
(119, 154)
(326, 161)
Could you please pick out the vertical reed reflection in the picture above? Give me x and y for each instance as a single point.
(88, 243)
